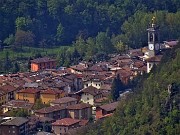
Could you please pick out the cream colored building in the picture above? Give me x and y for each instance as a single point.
(90, 94)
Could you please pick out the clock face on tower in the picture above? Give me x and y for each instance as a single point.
(151, 47)
(157, 46)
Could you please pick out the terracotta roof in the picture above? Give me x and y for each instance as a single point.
(138, 64)
(155, 58)
(100, 100)
(124, 73)
(78, 106)
(91, 90)
(83, 122)
(18, 104)
(79, 67)
(106, 87)
(109, 107)
(171, 43)
(29, 90)
(7, 88)
(34, 118)
(63, 100)
(15, 121)
(95, 68)
(104, 116)
(50, 109)
(65, 122)
(52, 91)
(42, 60)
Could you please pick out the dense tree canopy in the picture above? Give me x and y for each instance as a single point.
(62, 21)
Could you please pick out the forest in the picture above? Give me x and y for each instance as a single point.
(153, 107)
(84, 29)
(61, 22)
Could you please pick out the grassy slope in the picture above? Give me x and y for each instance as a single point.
(30, 52)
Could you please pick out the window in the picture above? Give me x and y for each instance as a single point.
(151, 37)
(87, 98)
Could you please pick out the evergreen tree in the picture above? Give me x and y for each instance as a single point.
(7, 63)
(117, 87)
(16, 68)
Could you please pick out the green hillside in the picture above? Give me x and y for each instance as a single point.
(150, 110)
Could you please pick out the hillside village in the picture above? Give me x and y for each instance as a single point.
(74, 96)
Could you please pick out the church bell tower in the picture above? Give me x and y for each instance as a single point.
(153, 39)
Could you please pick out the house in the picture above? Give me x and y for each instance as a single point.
(62, 126)
(40, 123)
(9, 90)
(42, 63)
(95, 82)
(65, 101)
(14, 126)
(90, 94)
(29, 94)
(169, 44)
(153, 61)
(54, 112)
(106, 109)
(125, 75)
(76, 79)
(51, 94)
(78, 69)
(17, 104)
(80, 111)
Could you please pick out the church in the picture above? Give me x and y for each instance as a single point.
(152, 56)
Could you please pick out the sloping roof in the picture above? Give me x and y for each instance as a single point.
(95, 68)
(7, 88)
(78, 106)
(42, 60)
(65, 122)
(50, 109)
(171, 43)
(15, 121)
(91, 90)
(29, 90)
(52, 91)
(155, 58)
(79, 67)
(109, 107)
(18, 104)
(83, 122)
(63, 100)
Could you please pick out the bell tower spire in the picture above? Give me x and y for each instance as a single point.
(153, 38)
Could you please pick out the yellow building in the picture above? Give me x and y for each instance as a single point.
(29, 94)
(51, 94)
